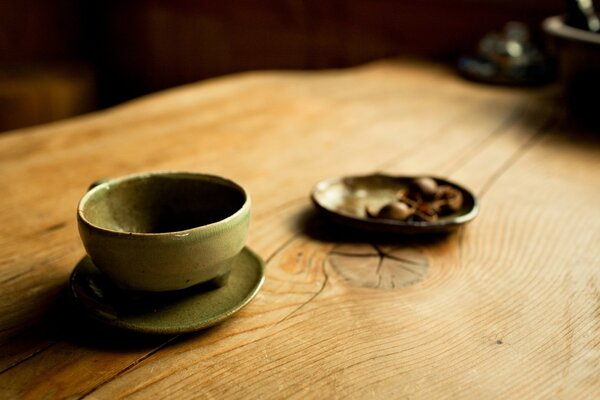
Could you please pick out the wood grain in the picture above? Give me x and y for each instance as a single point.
(505, 308)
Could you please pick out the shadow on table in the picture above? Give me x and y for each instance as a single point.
(318, 227)
(73, 326)
(569, 123)
(375, 261)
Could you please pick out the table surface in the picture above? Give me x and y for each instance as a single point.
(506, 307)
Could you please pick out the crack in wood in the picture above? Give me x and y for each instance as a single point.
(129, 367)
(391, 161)
(403, 260)
(550, 122)
(504, 125)
(314, 296)
(29, 356)
(379, 264)
(382, 270)
(280, 248)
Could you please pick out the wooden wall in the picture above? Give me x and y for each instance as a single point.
(152, 44)
(135, 47)
(39, 31)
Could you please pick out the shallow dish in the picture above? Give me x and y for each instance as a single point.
(172, 312)
(344, 200)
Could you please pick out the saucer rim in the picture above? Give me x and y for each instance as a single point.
(96, 315)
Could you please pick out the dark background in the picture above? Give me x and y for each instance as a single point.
(64, 57)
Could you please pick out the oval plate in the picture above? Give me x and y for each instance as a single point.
(343, 200)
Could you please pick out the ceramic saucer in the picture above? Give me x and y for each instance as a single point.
(173, 312)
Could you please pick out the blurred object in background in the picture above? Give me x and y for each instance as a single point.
(581, 14)
(577, 49)
(508, 58)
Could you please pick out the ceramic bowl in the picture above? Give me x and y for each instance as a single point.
(164, 231)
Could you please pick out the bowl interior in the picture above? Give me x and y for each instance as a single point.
(161, 203)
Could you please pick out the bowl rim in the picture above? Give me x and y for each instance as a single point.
(556, 26)
(201, 230)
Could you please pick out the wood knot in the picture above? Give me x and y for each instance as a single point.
(378, 266)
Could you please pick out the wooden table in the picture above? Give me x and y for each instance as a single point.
(507, 307)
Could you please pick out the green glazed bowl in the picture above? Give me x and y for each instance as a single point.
(165, 230)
